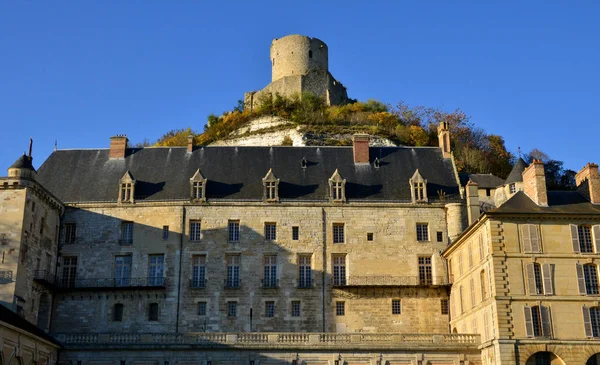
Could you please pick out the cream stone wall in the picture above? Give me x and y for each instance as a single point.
(19, 347)
(12, 205)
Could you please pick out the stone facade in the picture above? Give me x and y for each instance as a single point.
(19, 347)
(300, 64)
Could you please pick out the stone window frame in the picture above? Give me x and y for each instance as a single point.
(422, 230)
(270, 230)
(296, 312)
(153, 312)
(270, 187)
(127, 188)
(269, 309)
(165, 233)
(340, 308)
(195, 235)
(305, 270)
(202, 305)
(585, 238)
(232, 308)
(233, 230)
(585, 279)
(591, 321)
(512, 188)
(425, 270)
(444, 306)
(118, 310)
(198, 187)
(537, 321)
(338, 233)
(396, 306)
(70, 235)
(198, 272)
(126, 233)
(418, 188)
(295, 233)
(337, 188)
(270, 279)
(539, 278)
(339, 269)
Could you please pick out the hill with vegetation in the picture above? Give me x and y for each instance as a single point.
(475, 150)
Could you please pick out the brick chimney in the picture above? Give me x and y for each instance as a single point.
(588, 182)
(444, 138)
(360, 146)
(473, 210)
(118, 146)
(534, 183)
(190, 145)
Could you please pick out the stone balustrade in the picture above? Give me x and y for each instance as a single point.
(268, 340)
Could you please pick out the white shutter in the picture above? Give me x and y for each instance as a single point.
(486, 326)
(546, 321)
(531, 287)
(528, 322)
(472, 292)
(596, 233)
(587, 322)
(575, 238)
(580, 279)
(548, 278)
(534, 236)
(525, 237)
(452, 312)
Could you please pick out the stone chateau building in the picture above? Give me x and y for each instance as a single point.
(361, 255)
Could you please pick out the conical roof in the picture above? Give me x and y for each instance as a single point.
(516, 174)
(23, 162)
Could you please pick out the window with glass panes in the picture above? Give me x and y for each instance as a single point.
(339, 270)
(595, 321)
(337, 190)
(444, 306)
(234, 231)
(201, 308)
(195, 230)
(269, 309)
(233, 271)
(122, 270)
(126, 192)
(270, 271)
(156, 270)
(338, 233)
(590, 273)
(69, 271)
(422, 232)
(295, 233)
(198, 271)
(396, 306)
(270, 190)
(127, 233)
(304, 271)
(296, 308)
(231, 309)
(340, 308)
(419, 191)
(153, 312)
(70, 233)
(270, 231)
(165, 233)
(425, 276)
(585, 239)
(197, 189)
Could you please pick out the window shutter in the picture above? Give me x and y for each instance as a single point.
(452, 313)
(548, 278)
(587, 322)
(528, 322)
(535, 238)
(596, 233)
(580, 279)
(546, 325)
(575, 238)
(525, 237)
(531, 279)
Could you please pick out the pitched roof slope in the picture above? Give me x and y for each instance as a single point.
(235, 173)
(8, 316)
(559, 202)
(516, 174)
(483, 180)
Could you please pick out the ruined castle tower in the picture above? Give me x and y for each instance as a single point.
(300, 64)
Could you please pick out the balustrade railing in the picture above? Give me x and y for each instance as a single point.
(69, 283)
(395, 280)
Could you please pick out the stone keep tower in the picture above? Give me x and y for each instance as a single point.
(300, 64)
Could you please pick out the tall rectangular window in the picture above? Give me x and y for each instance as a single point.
(126, 233)
(269, 309)
(270, 190)
(425, 276)
(295, 233)
(270, 271)
(123, 270)
(198, 271)
(126, 192)
(585, 239)
(304, 271)
(270, 231)
(340, 308)
(422, 232)
(233, 271)
(118, 312)
(69, 271)
(195, 230)
(201, 308)
(156, 270)
(338, 233)
(70, 230)
(444, 306)
(339, 270)
(296, 308)
(231, 309)
(591, 279)
(153, 312)
(396, 306)
(165, 235)
(197, 190)
(233, 228)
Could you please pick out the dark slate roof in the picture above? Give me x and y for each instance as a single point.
(559, 202)
(8, 316)
(516, 174)
(483, 180)
(235, 173)
(23, 162)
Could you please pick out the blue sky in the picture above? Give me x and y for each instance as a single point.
(82, 71)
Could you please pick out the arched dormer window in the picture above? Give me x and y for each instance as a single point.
(126, 188)
(418, 188)
(271, 187)
(198, 187)
(337, 187)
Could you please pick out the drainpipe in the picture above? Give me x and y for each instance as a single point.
(180, 261)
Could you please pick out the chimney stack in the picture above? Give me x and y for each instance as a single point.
(190, 146)
(360, 147)
(473, 210)
(444, 138)
(588, 182)
(118, 146)
(534, 183)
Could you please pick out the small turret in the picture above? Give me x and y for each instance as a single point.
(23, 166)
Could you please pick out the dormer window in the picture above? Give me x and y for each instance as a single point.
(198, 187)
(304, 163)
(337, 187)
(271, 184)
(127, 188)
(418, 188)
(376, 163)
